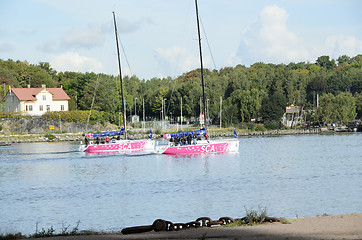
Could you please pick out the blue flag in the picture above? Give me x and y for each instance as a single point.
(235, 135)
(150, 134)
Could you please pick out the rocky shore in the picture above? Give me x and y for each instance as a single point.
(7, 138)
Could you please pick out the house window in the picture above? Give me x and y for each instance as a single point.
(12, 98)
(61, 107)
(48, 108)
(28, 108)
(44, 97)
(41, 108)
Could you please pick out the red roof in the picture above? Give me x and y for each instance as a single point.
(29, 94)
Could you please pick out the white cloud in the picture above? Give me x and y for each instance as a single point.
(269, 40)
(343, 45)
(90, 37)
(125, 26)
(233, 60)
(74, 62)
(178, 60)
(6, 47)
(47, 46)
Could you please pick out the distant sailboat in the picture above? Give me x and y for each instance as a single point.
(100, 142)
(198, 146)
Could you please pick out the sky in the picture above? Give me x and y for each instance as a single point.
(159, 37)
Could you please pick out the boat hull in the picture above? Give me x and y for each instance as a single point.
(203, 148)
(121, 146)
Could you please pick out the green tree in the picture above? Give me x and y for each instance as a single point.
(358, 100)
(336, 108)
(324, 61)
(273, 107)
(343, 59)
(345, 105)
(247, 92)
(353, 76)
(46, 66)
(100, 90)
(248, 103)
(156, 102)
(326, 111)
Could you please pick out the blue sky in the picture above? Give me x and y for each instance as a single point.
(160, 36)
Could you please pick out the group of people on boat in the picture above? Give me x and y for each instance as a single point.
(186, 140)
(105, 140)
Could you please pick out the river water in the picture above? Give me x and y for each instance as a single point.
(53, 184)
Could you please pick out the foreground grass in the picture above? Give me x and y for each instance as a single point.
(12, 236)
(255, 218)
(45, 234)
(50, 232)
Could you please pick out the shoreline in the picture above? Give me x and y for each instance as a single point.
(346, 226)
(6, 139)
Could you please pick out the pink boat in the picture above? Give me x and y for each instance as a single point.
(178, 145)
(121, 146)
(192, 145)
(101, 142)
(201, 147)
(94, 142)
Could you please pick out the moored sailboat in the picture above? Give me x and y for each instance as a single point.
(92, 141)
(199, 146)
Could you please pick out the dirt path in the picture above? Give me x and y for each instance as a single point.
(326, 227)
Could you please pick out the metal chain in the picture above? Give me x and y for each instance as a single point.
(163, 225)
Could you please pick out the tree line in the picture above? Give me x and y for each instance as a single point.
(261, 91)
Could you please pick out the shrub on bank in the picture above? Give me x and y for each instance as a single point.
(80, 116)
(50, 136)
(272, 125)
(260, 128)
(10, 115)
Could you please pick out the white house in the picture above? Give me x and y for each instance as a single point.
(292, 116)
(36, 101)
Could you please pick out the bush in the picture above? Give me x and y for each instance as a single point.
(14, 115)
(252, 218)
(272, 125)
(250, 126)
(50, 136)
(260, 128)
(80, 116)
(1, 128)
